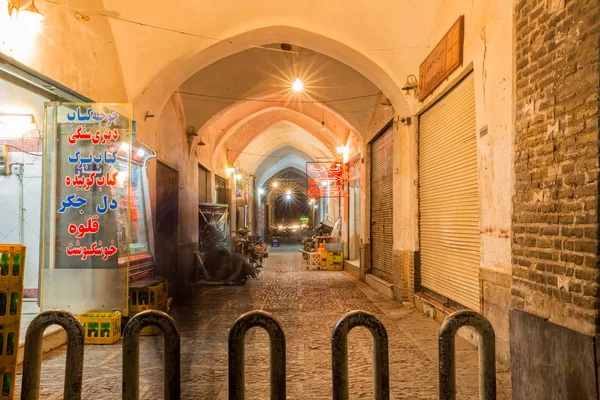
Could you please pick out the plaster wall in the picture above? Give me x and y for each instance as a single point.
(80, 55)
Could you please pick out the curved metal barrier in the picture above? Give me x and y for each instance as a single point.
(339, 354)
(447, 354)
(237, 335)
(32, 359)
(131, 354)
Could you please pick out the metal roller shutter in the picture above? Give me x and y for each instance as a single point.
(382, 205)
(449, 197)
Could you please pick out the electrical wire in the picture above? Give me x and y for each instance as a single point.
(162, 28)
(198, 35)
(21, 150)
(278, 101)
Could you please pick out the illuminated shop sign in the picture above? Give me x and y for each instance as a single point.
(324, 179)
(93, 142)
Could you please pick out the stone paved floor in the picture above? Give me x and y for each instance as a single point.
(307, 303)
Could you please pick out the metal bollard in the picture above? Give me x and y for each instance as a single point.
(339, 355)
(447, 354)
(131, 354)
(32, 360)
(237, 335)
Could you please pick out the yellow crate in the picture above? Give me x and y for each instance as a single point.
(9, 345)
(8, 376)
(148, 294)
(12, 263)
(335, 257)
(333, 266)
(11, 301)
(150, 331)
(101, 327)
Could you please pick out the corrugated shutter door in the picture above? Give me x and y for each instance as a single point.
(382, 205)
(449, 197)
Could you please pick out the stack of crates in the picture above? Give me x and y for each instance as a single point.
(335, 257)
(314, 261)
(101, 327)
(149, 294)
(335, 261)
(12, 263)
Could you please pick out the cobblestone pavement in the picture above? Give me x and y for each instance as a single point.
(307, 303)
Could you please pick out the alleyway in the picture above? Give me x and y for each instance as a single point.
(308, 304)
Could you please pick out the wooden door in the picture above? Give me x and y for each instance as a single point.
(167, 221)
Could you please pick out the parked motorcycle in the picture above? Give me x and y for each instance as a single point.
(255, 251)
(310, 243)
(221, 267)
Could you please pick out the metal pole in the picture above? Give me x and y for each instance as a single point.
(339, 355)
(447, 354)
(237, 335)
(32, 359)
(131, 354)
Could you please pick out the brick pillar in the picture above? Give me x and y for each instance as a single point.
(555, 296)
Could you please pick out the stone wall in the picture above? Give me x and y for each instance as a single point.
(555, 207)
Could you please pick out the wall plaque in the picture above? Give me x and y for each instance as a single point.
(445, 58)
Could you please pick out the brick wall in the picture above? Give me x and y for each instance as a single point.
(555, 206)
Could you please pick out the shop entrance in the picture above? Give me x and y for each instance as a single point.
(382, 203)
(167, 221)
(449, 198)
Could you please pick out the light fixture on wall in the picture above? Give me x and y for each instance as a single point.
(341, 149)
(229, 170)
(387, 105)
(411, 84)
(26, 11)
(238, 177)
(191, 134)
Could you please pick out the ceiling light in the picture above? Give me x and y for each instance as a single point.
(323, 128)
(289, 192)
(260, 191)
(288, 197)
(229, 170)
(341, 149)
(297, 86)
(238, 176)
(275, 184)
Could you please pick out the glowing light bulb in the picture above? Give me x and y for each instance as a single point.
(341, 149)
(260, 191)
(288, 197)
(238, 176)
(275, 184)
(125, 147)
(297, 86)
(289, 192)
(316, 206)
(230, 170)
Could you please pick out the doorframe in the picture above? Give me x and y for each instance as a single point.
(368, 250)
(175, 277)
